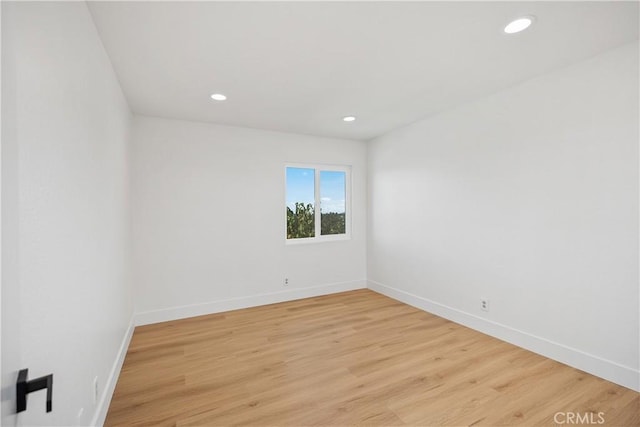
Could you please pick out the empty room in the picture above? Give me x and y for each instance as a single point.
(320, 213)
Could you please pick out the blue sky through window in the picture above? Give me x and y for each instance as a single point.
(332, 191)
(300, 188)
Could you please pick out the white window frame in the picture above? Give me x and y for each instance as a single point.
(347, 203)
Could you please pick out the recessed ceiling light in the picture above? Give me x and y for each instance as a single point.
(518, 25)
(348, 118)
(218, 97)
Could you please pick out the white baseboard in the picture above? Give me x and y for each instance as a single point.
(105, 399)
(182, 312)
(607, 369)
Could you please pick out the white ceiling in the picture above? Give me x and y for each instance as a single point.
(300, 67)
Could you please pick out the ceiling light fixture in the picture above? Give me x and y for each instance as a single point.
(348, 118)
(218, 97)
(518, 25)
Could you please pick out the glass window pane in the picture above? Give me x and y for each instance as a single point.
(300, 203)
(332, 202)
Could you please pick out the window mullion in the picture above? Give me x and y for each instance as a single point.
(317, 198)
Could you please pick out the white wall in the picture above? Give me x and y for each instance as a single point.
(208, 219)
(529, 198)
(65, 282)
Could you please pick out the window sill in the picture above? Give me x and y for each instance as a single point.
(313, 240)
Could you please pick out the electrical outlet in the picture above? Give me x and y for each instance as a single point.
(95, 391)
(484, 304)
(286, 281)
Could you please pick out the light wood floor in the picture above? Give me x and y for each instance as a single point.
(351, 358)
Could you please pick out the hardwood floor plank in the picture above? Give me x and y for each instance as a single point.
(355, 358)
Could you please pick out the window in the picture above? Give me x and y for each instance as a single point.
(310, 187)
